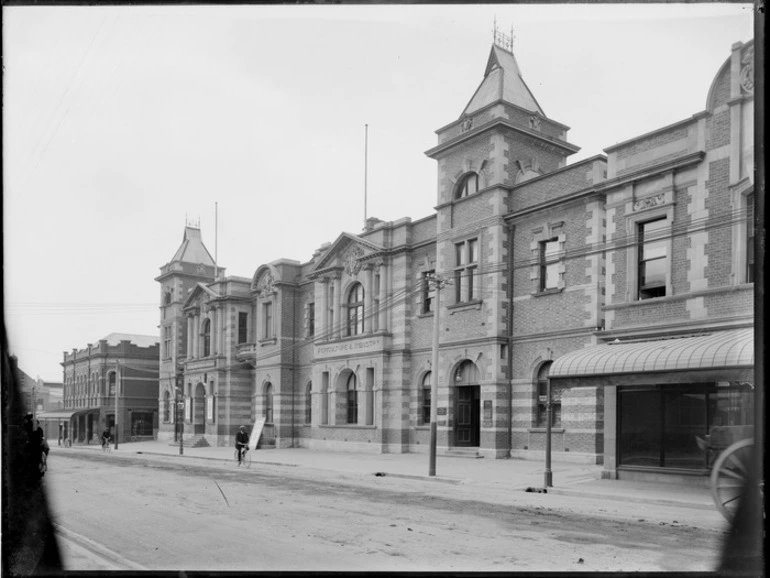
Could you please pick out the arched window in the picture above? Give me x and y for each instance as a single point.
(542, 398)
(425, 390)
(309, 402)
(206, 331)
(467, 185)
(356, 310)
(269, 403)
(166, 407)
(352, 399)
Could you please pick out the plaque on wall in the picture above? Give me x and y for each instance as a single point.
(487, 411)
(441, 410)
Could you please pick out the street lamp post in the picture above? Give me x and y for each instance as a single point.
(117, 393)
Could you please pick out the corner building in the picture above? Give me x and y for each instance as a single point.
(545, 261)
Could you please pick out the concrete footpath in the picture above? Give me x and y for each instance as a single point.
(569, 479)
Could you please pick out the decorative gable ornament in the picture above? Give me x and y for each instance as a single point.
(266, 284)
(747, 71)
(352, 263)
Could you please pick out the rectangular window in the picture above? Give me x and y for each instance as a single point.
(376, 303)
(750, 238)
(267, 321)
(549, 264)
(329, 329)
(466, 264)
(428, 291)
(243, 327)
(658, 427)
(310, 319)
(653, 259)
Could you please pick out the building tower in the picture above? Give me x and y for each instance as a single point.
(501, 139)
(191, 264)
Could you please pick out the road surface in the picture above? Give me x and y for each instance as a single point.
(161, 513)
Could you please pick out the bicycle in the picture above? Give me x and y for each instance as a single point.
(245, 456)
(106, 448)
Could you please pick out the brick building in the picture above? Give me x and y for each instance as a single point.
(123, 362)
(547, 262)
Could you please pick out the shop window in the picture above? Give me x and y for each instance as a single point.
(466, 265)
(428, 291)
(355, 306)
(426, 391)
(243, 327)
(206, 334)
(352, 399)
(549, 264)
(269, 403)
(659, 427)
(653, 258)
(468, 185)
(141, 423)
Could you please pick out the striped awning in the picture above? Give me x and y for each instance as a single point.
(721, 350)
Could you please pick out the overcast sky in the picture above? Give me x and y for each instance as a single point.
(121, 122)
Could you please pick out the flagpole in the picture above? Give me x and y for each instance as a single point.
(366, 168)
(216, 239)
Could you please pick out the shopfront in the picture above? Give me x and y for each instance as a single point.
(662, 395)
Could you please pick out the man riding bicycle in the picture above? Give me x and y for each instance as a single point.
(106, 437)
(241, 443)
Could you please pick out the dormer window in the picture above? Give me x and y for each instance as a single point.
(468, 185)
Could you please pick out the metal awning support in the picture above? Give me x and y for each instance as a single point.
(713, 356)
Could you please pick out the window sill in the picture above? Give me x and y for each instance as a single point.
(268, 341)
(557, 429)
(424, 315)
(548, 292)
(475, 304)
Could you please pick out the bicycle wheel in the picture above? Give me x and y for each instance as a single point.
(730, 476)
(235, 457)
(247, 458)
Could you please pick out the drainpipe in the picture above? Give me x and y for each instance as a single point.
(511, 229)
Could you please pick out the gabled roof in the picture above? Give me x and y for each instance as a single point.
(502, 80)
(192, 249)
(339, 244)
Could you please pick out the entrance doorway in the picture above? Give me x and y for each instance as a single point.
(467, 409)
(199, 410)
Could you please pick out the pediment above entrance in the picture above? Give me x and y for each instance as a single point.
(200, 296)
(348, 254)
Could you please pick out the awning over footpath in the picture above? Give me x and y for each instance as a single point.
(715, 356)
(63, 414)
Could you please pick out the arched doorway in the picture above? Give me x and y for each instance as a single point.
(199, 410)
(467, 407)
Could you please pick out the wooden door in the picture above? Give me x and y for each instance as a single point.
(467, 405)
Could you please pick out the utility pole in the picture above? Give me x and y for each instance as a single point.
(117, 393)
(438, 282)
(548, 481)
(180, 410)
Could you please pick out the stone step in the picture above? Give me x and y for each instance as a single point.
(470, 453)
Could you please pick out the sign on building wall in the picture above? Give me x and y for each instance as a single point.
(210, 407)
(187, 408)
(367, 345)
(256, 433)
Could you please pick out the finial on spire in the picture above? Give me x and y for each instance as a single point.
(503, 40)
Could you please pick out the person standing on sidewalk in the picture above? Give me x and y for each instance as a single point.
(241, 443)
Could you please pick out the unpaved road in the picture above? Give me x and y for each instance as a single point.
(149, 512)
